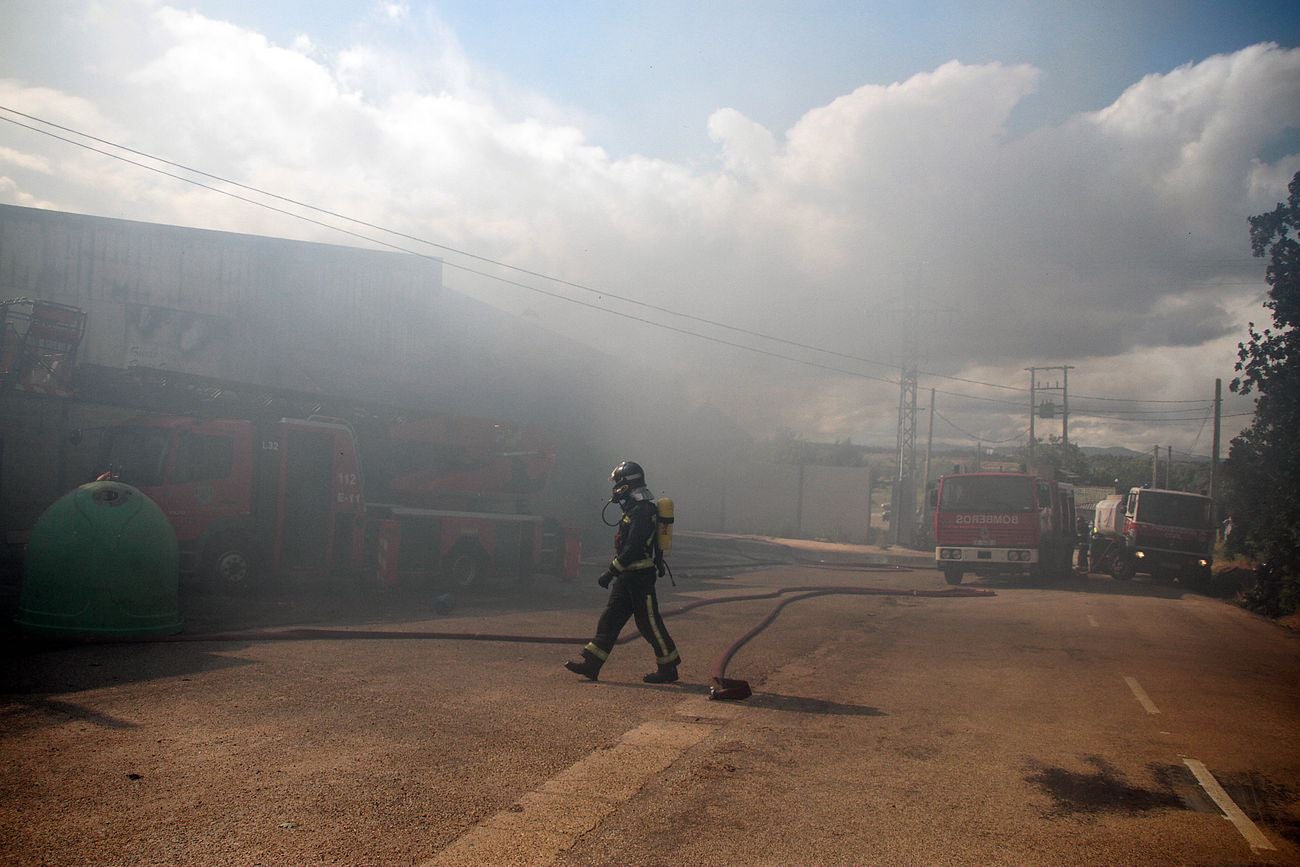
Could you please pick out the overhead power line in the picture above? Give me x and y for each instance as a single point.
(602, 294)
(991, 441)
(474, 271)
(445, 247)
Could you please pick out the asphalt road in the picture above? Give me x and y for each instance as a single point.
(1084, 723)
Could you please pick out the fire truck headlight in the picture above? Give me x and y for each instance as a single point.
(1140, 554)
(1204, 562)
(1013, 556)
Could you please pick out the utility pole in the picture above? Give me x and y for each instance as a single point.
(1033, 411)
(1214, 456)
(1048, 409)
(903, 524)
(1155, 468)
(929, 442)
(1169, 466)
(903, 501)
(927, 518)
(1065, 405)
(798, 509)
(903, 520)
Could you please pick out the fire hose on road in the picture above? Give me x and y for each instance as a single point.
(723, 687)
(730, 689)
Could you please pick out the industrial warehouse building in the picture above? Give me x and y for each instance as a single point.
(364, 325)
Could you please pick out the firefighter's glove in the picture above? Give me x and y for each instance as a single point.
(661, 568)
(605, 577)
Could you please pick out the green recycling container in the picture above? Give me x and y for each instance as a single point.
(101, 562)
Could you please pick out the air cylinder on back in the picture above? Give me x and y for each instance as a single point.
(101, 562)
(665, 505)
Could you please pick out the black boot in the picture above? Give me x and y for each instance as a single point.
(588, 666)
(664, 674)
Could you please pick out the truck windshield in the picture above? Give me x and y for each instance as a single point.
(987, 494)
(1173, 510)
(135, 455)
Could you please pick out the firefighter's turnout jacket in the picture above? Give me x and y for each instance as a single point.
(637, 538)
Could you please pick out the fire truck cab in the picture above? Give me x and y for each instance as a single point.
(282, 495)
(1003, 523)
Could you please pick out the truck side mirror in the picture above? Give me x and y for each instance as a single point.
(932, 497)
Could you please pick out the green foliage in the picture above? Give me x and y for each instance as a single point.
(1263, 468)
(1065, 460)
(1133, 471)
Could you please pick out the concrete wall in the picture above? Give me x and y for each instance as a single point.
(809, 502)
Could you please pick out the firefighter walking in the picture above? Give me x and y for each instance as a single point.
(637, 562)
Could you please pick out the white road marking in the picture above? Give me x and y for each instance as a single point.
(1141, 695)
(1231, 811)
(547, 821)
(1092, 621)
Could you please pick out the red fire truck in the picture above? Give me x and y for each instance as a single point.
(1002, 523)
(442, 498)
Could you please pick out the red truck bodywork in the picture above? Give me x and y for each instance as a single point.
(1002, 523)
(287, 498)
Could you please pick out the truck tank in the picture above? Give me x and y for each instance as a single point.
(1108, 519)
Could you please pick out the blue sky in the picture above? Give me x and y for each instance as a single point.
(650, 73)
(1052, 183)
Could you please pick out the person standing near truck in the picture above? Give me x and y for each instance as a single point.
(1081, 541)
(630, 578)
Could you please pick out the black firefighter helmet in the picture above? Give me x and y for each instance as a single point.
(626, 477)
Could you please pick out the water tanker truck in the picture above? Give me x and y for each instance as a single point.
(1166, 534)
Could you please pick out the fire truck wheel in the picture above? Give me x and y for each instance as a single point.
(952, 576)
(229, 561)
(464, 567)
(1199, 579)
(1123, 569)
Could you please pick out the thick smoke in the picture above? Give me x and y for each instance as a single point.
(901, 217)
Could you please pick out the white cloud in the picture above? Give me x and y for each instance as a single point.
(32, 162)
(395, 12)
(748, 148)
(1116, 238)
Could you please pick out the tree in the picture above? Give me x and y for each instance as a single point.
(1263, 468)
(1058, 458)
(1128, 471)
